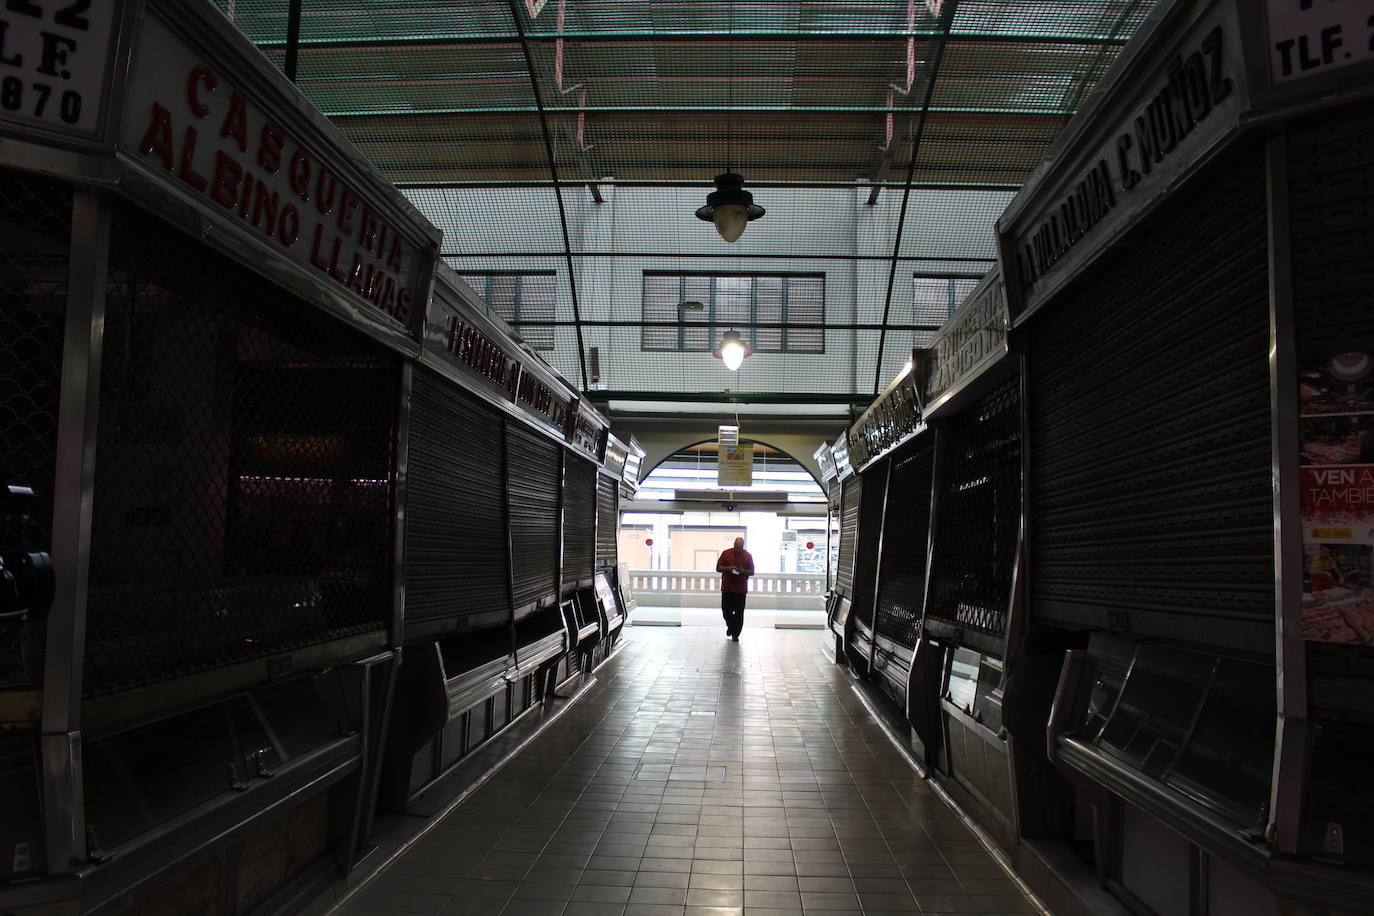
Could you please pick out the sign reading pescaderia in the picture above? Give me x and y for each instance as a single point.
(977, 332)
(54, 63)
(1174, 106)
(189, 122)
(456, 337)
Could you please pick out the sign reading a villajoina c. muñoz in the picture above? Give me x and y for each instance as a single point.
(1167, 103)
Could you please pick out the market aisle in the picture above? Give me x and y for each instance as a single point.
(701, 776)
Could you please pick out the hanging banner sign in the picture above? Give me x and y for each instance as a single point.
(55, 64)
(190, 122)
(1307, 38)
(735, 466)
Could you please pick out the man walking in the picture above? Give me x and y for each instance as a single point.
(735, 566)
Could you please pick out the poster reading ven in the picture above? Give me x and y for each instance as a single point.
(1337, 397)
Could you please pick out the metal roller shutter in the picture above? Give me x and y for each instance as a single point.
(456, 554)
(850, 493)
(607, 520)
(902, 569)
(978, 522)
(1148, 385)
(533, 478)
(866, 545)
(579, 520)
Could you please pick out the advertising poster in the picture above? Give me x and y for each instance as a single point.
(1337, 420)
(735, 466)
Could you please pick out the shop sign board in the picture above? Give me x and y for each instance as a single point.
(1336, 394)
(201, 126)
(892, 418)
(1312, 37)
(455, 336)
(973, 337)
(735, 465)
(616, 453)
(1167, 103)
(588, 429)
(55, 65)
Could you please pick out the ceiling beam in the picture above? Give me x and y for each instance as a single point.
(412, 115)
(784, 37)
(557, 191)
(734, 258)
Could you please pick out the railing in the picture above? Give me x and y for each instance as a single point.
(646, 582)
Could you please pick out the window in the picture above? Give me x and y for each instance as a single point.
(934, 300)
(738, 301)
(518, 298)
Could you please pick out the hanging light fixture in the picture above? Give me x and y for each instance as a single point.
(732, 350)
(729, 206)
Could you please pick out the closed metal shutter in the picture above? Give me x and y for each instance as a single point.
(579, 520)
(607, 520)
(978, 522)
(866, 545)
(1150, 495)
(533, 479)
(456, 555)
(850, 493)
(902, 575)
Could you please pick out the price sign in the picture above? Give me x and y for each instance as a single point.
(54, 57)
(1308, 37)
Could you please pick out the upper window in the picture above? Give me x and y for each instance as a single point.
(519, 298)
(735, 301)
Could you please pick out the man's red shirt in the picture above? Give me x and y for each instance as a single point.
(740, 559)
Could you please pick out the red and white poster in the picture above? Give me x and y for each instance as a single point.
(1337, 397)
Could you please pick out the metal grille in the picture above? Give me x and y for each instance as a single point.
(850, 493)
(579, 520)
(1158, 518)
(902, 577)
(607, 520)
(866, 547)
(533, 478)
(35, 218)
(1332, 225)
(456, 557)
(978, 520)
(243, 489)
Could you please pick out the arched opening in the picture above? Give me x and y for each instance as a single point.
(686, 513)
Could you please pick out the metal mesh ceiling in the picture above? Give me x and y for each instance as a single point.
(578, 136)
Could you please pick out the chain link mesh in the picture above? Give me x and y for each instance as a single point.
(243, 485)
(35, 217)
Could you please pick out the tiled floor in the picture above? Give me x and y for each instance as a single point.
(700, 776)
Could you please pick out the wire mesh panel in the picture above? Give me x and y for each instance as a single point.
(579, 520)
(35, 219)
(866, 545)
(243, 487)
(456, 556)
(607, 520)
(534, 476)
(902, 578)
(1157, 518)
(851, 492)
(978, 521)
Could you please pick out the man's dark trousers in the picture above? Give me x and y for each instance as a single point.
(732, 609)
